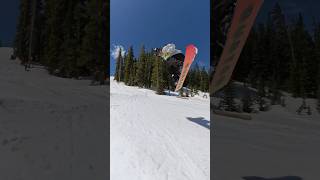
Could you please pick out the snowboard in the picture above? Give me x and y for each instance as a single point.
(191, 52)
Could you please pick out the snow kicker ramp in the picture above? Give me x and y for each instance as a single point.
(50, 128)
(158, 137)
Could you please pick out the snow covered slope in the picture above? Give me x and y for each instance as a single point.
(157, 137)
(275, 145)
(50, 128)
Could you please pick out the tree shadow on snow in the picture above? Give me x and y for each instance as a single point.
(276, 178)
(201, 121)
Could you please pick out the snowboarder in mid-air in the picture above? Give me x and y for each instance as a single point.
(173, 59)
(177, 63)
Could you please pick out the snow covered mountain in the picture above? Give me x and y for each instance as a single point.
(158, 137)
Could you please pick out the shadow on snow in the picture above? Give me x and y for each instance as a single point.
(200, 121)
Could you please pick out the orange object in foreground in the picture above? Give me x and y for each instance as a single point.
(191, 52)
(243, 19)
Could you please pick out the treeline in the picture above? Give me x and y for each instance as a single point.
(70, 37)
(151, 71)
(282, 56)
(279, 55)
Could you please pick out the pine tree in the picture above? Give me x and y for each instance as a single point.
(278, 53)
(302, 69)
(117, 75)
(167, 79)
(128, 66)
(70, 45)
(317, 57)
(54, 9)
(261, 95)
(39, 33)
(80, 20)
(23, 31)
(68, 54)
(247, 101)
(149, 65)
(141, 68)
(318, 98)
(160, 84)
(227, 102)
(93, 48)
(191, 79)
(244, 65)
(155, 74)
(122, 67)
(197, 76)
(204, 80)
(158, 76)
(105, 38)
(132, 80)
(259, 56)
(102, 42)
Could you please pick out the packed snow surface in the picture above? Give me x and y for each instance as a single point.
(158, 137)
(50, 128)
(274, 145)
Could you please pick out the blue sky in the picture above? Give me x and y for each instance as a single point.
(156, 23)
(8, 19)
